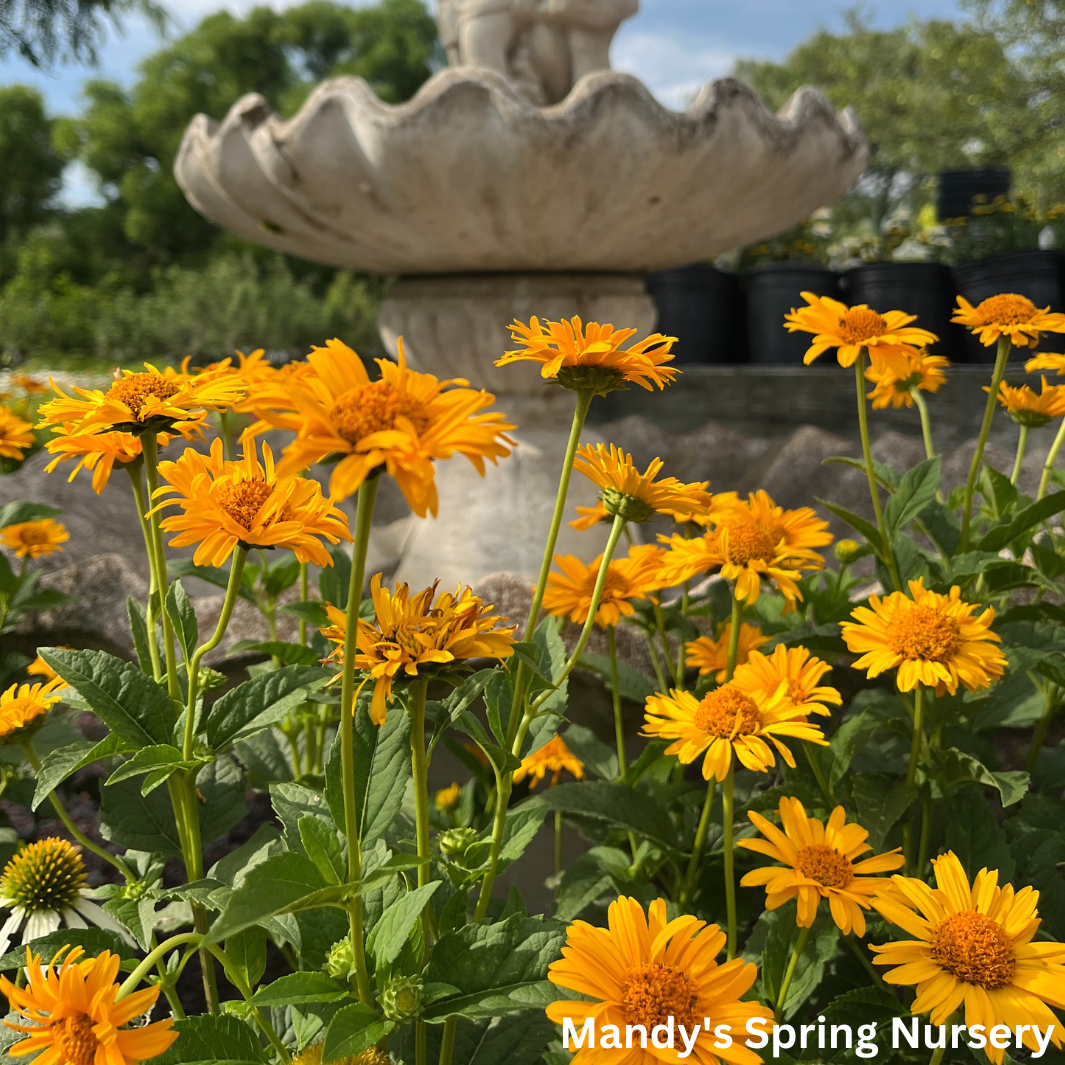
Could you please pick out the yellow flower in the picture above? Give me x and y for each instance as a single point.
(1008, 315)
(935, 640)
(226, 503)
(592, 356)
(1027, 408)
(94, 451)
(569, 593)
(16, 435)
(701, 511)
(736, 718)
(552, 758)
(643, 970)
(30, 385)
(801, 671)
(139, 402)
(73, 1018)
(972, 947)
(34, 539)
(889, 338)
(312, 1055)
(411, 635)
(446, 799)
(23, 709)
(40, 668)
(403, 421)
(633, 495)
(1046, 360)
(820, 864)
(710, 655)
(923, 372)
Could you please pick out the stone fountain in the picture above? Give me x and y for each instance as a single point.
(528, 178)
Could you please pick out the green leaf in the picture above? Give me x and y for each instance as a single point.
(387, 937)
(773, 941)
(247, 951)
(518, 1039)
(281, 575)
(138, 915)
(973, 833)
(17, 513)
(184, 567)
(322, 847)
(942, 526)
(488, 963)
(886, 477)
(132, 705)
(291, 803)
(1000, 495)
(955, 767)
(212, 1038)
(856, 522)
(614, 804)
(138, 627)
(916, 490)
(92, 940)
(1002, 535)
(595, 755)
(275, 886)
(259, 703)
(149, 760)
(398, 863)
(298, 988)
(352, 1030)
(288, 654)
(632, 683)
(881, 801)
(63, 762)
(309, 610)
(183, 618)
(333, 580)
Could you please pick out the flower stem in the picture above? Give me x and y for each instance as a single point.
(667, 655)
(688, 887)
(730, 875)
(1048, 465)
(918, 734)
(659, 676)
(981, 441)
(619, 723)
(146, 965)
(558, 845)
(1050, 705)
(363, 523)
(926, 830)
(926, 422)
(789, 975)
(304, 591)
(1022, 443)
(447, 1040)
(888, 553)
(736, 624)
(134, 471)
(854, 945)
(420, 777)
(580, 413)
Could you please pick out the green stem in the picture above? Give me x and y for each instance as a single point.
(926, 422)
(819, 775)
(363, 523)
(619, 723)
(734, 636)
(447, 1040)
(558, 844)
(926, 830)
(985, 428)
(237, 980)
(304, 591)
(854, 945)
(580, 413)
(700, 842)
(134, 471)
(420, 776)
(796, 954)
(918, 734)
(148, 963)
(730, 855)
(863, 427)
(1050, 704)
(1052, 454)
(659, 675)
(937, 1054)
(64, 816)
(1022, 443)
(660, 627)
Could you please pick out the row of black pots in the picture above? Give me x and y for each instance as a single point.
(720, 318)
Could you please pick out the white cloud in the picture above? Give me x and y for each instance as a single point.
(79, 187)
(672, 68)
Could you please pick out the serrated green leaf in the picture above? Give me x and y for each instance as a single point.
(298, 988)
(916, 490)
(93, 940)
(387, 937)
(1002, 535)
(212, 1038)
(148, 760)
(183, 618)
(352, 1030)
(881, 801)
(858, 523)
(322, 847)
(63, 762)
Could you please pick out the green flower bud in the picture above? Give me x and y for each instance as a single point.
(848, 551)
(210, 680)
(455, 842)
(401, 998)
(341, 961)
(628, 507)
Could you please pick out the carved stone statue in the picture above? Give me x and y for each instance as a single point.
(543, 47)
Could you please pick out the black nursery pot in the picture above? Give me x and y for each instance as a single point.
(703, 308)
(1035, 274)
(923, 289)
(772, 291)
(958, 189)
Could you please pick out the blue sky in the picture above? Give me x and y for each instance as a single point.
(672, 45)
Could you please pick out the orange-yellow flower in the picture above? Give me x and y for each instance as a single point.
(72, 1017)
(1046, 360)
(818, 862)
(34, 539)
(973, 947)
(795, 667)
(644, 970)
(1008, 315)
(935, 640)
(16, 434)
(889, 338)
(446, 799)
(23, 708)
(632, 495)
(40, 668)
(1030, 409)
(895, 385)
(592, 356)
(552, 758)
(569, 593)
(225, 503)
(140, 402)
(709, 654)
(737, 718)
(412, 635)
(403, 421)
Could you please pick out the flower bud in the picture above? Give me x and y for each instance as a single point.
(456, 841)
(210, 680)
(401, 998)
(340, 964)
(628, 507)
(848, 551)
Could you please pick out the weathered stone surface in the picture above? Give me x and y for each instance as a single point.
(469, 176)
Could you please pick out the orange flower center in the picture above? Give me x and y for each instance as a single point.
(726, 711)
(31, 535)
(922, 632)
(747, 542)
(1006, 309)
(134, 388)
(974, 948)
(654, 992)
(373, 408)
(860, 324)
(242, 500)
(73, 1038)
(824, 864)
